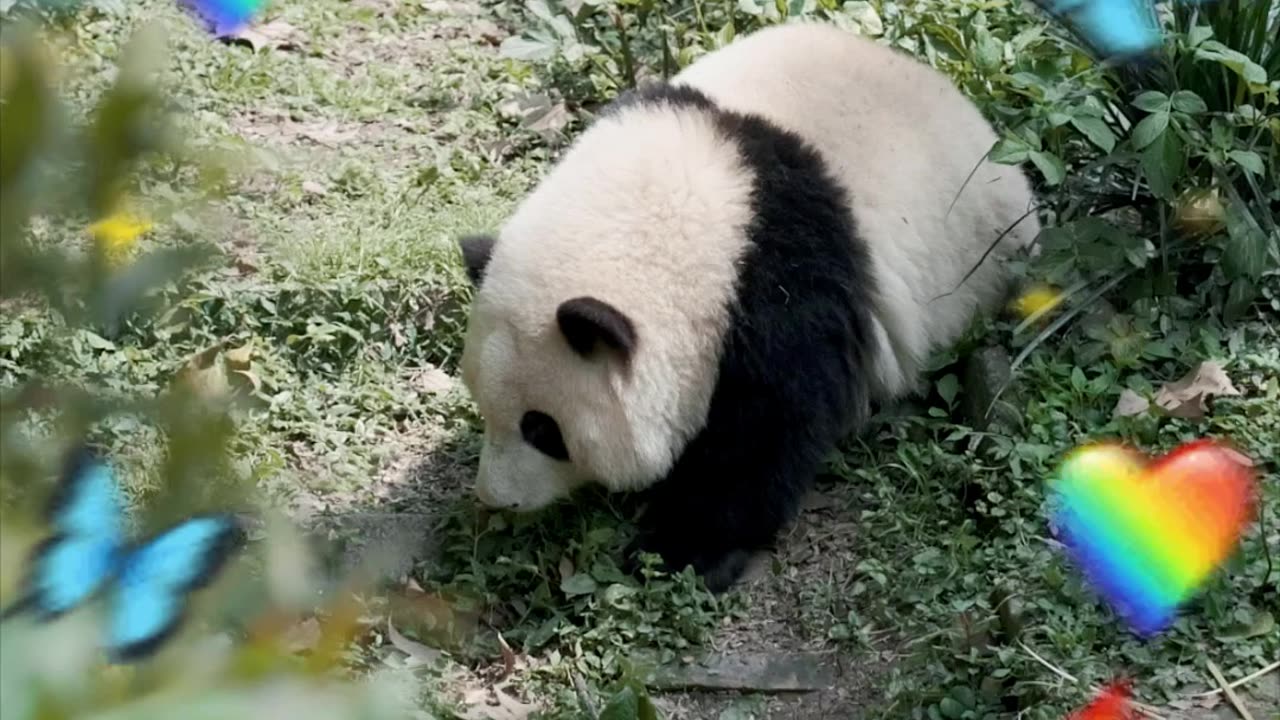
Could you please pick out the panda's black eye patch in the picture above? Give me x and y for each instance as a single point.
(542, 432)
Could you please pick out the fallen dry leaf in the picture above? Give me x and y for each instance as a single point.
(494, 704)
(537, 112)
(566, 568)
(508, 657)
(249, 377)
(327, 134)
(277, 34)
(432, 381)
(1130, 404)
(203, 375)
(549, 122)
(303, 637)
(240, 358)
(1189, 397)
(1210, 702)
(486, 31)
(397, 335)
(449, 8)
(418, 653)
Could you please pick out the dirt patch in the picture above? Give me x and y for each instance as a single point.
(792, 597)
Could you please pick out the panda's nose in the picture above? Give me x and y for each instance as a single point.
(489, 500)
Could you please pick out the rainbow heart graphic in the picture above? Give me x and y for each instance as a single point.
(1146, 535)
(225, 17)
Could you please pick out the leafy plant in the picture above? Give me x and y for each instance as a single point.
(65, 364)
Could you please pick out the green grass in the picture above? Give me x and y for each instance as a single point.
(929, 558)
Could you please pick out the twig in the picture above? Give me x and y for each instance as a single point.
(1146, 710)
(990, 248)
(1231, 694)
(1053, 327)
(1242, 681)
(584, 696)
(965, 184)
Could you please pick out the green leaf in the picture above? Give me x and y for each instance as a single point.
(738, 711)
(522, 48)
(987, 51)
(1152, 101)
(1249, 160)
(948, 388)
(1240, 297)
(951, 709)
(726, 35)
(1049, 165)
(1058, 119)
(1247, 245)
(1097, 131)
(563, 28)
(1237, 62)
(539, 9)
(750, 7)
(1162, 163)
(1151, 127)
(578, 584)
(1189, 102)
(1078, 381)
(963, 695)
(1010, 151)
(96, 341)
(1198, 34)
(622, 706)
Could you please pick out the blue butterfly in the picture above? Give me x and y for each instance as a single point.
(1114, 29)
(87, 553)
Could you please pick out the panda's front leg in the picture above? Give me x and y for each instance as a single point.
(717, 552)
(724, 502)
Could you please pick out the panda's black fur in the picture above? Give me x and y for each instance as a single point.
(796, 351)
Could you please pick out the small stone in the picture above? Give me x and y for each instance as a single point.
(986, 371)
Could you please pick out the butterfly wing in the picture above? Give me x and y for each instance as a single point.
(81, 555)
(156, 577)
(1111, 28)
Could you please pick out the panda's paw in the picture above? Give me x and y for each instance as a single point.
(719, 568)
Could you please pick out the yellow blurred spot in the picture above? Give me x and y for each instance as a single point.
(114, 684)
(117, 233)
(1037, 301)
(1199, 212)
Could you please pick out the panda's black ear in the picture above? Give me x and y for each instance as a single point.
(476, 250)
(587, 322)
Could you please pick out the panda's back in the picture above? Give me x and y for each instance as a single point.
(904, 142)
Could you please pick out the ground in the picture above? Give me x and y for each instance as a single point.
(375, 133)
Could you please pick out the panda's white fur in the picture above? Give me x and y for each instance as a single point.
(655, 213)
(631, 206)
(903, 140)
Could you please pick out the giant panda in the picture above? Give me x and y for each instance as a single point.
(721, 278)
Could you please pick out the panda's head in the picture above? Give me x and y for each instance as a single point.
(594, 332)
(552, 417)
